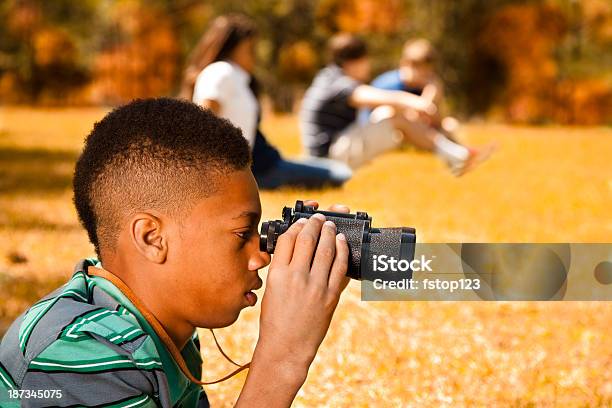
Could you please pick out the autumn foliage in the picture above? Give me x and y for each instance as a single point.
(144, 60)
(49, 68)
(537, 61)
(362, 16)
(523, 39)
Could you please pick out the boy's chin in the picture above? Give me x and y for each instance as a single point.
(227, 319)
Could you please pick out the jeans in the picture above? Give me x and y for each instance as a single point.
(308, 173)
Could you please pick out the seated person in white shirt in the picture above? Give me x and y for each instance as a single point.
(219, 77)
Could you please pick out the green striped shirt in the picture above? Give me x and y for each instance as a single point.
(86, 344)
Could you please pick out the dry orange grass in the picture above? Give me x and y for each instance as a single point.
(544, 185)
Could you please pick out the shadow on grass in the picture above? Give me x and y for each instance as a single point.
(28, 223)
(35, 170)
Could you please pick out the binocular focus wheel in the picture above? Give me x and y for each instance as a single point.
(270, 241)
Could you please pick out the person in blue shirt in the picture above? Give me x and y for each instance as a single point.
(416, 75)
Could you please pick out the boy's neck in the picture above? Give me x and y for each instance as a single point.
(349, 73)
(157, 300)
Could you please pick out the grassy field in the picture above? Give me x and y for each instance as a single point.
(544, 185)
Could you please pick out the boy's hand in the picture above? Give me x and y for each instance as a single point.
(305, 280)
(418, 103)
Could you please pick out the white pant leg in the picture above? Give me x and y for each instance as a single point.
(360, 144)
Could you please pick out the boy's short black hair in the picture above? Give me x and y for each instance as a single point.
(345, 47)
(158, 154)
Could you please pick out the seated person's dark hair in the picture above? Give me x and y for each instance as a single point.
(161, 154)
(346, 47)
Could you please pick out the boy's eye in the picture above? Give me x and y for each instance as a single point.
(245, 235)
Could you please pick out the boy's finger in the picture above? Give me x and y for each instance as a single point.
(306, 243)
(324, 255)
(312, 203)
(337, 276)
(339, 208)
(430, 108)
(285, 243)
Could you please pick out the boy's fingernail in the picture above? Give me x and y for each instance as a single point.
(329, 224)
(319, 216)
(301, 221)
(341, 237)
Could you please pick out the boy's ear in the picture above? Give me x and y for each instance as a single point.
(149, 237)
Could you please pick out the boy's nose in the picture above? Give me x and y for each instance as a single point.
(266, 258)
(259, 260)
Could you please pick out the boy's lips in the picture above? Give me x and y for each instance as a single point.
(258, 284)
(251, 297)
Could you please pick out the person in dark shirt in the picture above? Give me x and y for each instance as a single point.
(328, 117)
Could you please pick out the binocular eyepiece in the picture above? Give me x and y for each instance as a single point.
(365, 243)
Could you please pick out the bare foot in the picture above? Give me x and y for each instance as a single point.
(477, 156)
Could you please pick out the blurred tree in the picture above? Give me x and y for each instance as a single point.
(143, 58)
(547, 65)
(531, 60)
(297, 62)
(40, 57)
(522, 39)
(362, 16)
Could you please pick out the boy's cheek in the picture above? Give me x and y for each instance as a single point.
(218, 269)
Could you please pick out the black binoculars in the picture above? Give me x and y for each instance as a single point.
(365, 242)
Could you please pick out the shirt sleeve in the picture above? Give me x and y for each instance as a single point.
(343, 88)
(214, 83)
(87, 372)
